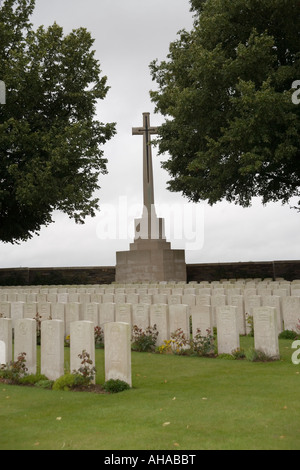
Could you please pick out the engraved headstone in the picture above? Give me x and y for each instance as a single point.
(159, 316)
(25, 338)
(52, 349)
(82, 338)
(266, 331)
(117, 337)
(227, 329)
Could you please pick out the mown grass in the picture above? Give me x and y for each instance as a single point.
(176, 403)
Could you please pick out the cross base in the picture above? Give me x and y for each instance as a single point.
(151, 265)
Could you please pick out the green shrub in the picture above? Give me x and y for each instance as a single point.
(180, 344)
(15, 370)
(238, 353)
(115, 386)
(86, 372)
(203, 345)
(225, 356)
(47, 384)
(288, 334)
(66, 382)
(32, 379)
(144, 341)
(250, 322)
(254, 355)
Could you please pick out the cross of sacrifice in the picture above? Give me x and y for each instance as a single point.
(148, 187)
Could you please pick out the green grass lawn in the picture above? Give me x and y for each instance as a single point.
(176, 403)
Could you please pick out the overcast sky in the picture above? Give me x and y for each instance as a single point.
(128, 36)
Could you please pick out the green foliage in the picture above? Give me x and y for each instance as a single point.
(15, 371)
(200, 345)
(254, 355)
(228, 357)
(144, 341)
(86, 372)
(45, 384)
(32, 379)
(288, 334)
(232, 130)
(66, 382)
(250, 322)
(179, 342)
(37, 380)
(50, 142)
(239, 353)
(99, 337)
(115, 386)
(203, 345)
(78, 378)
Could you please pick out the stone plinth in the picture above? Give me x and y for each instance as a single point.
(150, 260)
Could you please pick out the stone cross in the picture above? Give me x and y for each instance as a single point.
(146, 131)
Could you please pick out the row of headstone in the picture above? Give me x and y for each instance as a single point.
(117, 346)
(161, 284)
(288, 309)
(104, 294)
(265, 330)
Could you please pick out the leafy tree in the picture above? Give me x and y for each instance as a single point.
(50, 141)
(232, 130)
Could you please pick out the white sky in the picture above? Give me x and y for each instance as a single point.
(128, 36)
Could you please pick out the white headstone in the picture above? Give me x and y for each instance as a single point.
(179, 319)
(5, 309)
(227, 329)
(238, 302)
(132, 298)
(174, 299)
(52, 349)
(62, 297)
(291, 312)
(91, 312)
(202, 320)
(160, 298)
(117, 338)
(44, 310)
(6, 338)
(106, 313)
(141, 315)
(30, 309)
(159, 316)
(108, 297)
(266, 331)
(203, 299)
(25, 342)
(2, 353)
(274, 301)
(72, 314)
(16, 311)
(124, 313)
(82, 338)
(219, 300)
(59, 313)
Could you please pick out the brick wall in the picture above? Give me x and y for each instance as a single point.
(289, 270)
(48, 276)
